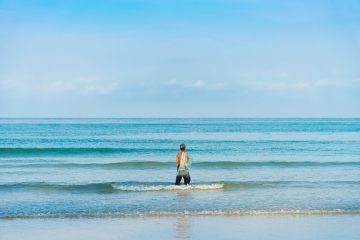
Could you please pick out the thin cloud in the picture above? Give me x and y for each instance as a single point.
(272, 85)
(197, 84)
(85, 86)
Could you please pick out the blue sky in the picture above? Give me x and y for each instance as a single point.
(180, 58)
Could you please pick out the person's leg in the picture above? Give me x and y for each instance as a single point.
(187, 179)
(178, 180)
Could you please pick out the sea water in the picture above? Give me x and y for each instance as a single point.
(121, 167)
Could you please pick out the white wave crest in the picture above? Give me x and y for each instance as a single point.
(141, 188)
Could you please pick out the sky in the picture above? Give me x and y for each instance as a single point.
(180, 58)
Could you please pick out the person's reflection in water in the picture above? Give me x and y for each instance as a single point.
(182, 225)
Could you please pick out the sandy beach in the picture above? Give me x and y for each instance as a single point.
(185, 227)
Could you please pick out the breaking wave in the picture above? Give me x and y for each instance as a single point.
(113, 187)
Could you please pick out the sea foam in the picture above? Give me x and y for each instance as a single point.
(140, 188)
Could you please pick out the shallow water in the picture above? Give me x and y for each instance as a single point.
(116, 167)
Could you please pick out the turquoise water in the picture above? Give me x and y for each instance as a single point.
(115, 167)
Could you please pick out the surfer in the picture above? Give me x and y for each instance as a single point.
(182, 165)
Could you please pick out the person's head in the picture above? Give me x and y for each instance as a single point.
(182, 147)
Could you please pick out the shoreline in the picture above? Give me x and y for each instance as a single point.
(205, 213)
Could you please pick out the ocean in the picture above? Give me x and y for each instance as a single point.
(99, 167)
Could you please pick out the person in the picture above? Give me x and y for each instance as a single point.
(182, 165)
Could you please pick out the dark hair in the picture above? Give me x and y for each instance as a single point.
(182, 147)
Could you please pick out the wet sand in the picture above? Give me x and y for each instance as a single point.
(317, 227)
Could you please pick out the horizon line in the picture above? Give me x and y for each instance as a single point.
(203, 117)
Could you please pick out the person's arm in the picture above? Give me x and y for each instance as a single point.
(177, 162)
